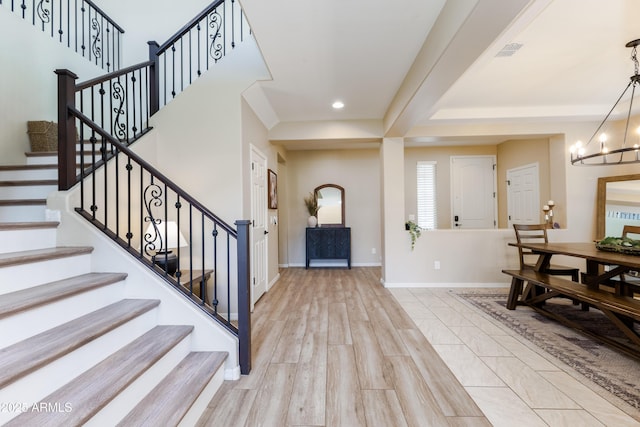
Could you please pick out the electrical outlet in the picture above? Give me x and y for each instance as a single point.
(436, 265)
(373, 251)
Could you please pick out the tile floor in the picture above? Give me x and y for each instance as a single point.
(513, 381)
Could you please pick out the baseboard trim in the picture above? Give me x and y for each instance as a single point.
(446, 285)
(232, 374)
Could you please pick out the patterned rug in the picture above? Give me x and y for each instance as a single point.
(611, 369)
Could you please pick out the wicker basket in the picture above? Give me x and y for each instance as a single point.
(43, 135)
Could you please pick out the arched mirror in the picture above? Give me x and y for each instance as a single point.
(330, 199)
(618, 204)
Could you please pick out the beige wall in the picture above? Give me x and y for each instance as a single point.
(358, 172)
(441, 155)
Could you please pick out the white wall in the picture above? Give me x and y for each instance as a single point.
(27, 81)
(146, 20)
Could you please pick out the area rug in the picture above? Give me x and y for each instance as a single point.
(609, 368)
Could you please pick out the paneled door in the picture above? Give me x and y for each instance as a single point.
(259, 225)
(523, 195)
(473, 192)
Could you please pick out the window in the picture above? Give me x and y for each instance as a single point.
(427, 213)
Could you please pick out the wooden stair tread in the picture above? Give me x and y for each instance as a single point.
(28, 182)
(22, 202)
(27, 167)
(95, 388)
(50, 153)
(15, 302)
(26, 356)
(4, 226)
(170, 400)
(35, 255)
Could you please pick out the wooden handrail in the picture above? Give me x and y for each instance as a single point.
(185, 29)
(156, 173)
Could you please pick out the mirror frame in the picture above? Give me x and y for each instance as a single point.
(602, 200)
(315, 193)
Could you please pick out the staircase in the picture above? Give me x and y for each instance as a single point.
(74, 348)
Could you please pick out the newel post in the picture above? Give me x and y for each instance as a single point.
(244, 297)
(154, 78)
(66, 129)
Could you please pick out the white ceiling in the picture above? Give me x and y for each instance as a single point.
(415, 64)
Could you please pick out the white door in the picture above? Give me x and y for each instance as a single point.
(473, 194)
(259, 225)
(523, 195)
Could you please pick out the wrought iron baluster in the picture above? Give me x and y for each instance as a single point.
(129, 234)
(199, 49)
(119, 128)
(203, 240)
(83, 46)
(181, 64)
(173, 70)
(103, 152)
(133, 97)
(215, 48)
(108, 30)
(96, 39)
(93, 173)
(127, 110)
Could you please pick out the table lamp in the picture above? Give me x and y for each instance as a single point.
(164, 257)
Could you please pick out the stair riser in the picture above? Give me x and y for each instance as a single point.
(22, 213)
(31, 322)
(39, 384)
(18, 192)
(24, 240)
(18, 277)
(118, 408)
(25, 174)
(200, 405)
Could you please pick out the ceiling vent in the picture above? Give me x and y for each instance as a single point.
(509, 49)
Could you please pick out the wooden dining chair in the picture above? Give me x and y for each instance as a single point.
(537, 233)
(630, 282)
(631, 229)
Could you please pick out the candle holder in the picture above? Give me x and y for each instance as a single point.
(548, 213)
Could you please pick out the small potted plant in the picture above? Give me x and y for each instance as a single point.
(414, 231)
(312, 207)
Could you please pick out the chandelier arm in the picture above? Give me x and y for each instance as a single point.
(626, 126)
(609, 113)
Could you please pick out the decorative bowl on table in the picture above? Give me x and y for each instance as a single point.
(621, 245)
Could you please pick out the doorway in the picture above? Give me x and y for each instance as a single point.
(523, 195)
(259, 225)
(473, 192)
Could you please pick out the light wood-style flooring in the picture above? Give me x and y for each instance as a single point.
(332, 347)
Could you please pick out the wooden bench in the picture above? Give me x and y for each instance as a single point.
(625, 306)
(621, 310)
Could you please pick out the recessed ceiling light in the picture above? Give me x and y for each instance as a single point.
(338, 105)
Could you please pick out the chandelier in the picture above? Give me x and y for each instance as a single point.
(604, 155)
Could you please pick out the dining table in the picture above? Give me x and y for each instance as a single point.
(608, 283)
(601, 265)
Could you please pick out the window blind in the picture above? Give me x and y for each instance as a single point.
(427, 213)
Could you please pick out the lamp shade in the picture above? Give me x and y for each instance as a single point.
(164, 242)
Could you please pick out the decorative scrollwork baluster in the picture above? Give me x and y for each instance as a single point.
(95, 26)
(119, 128)
(44, 12)
(152, 198)
(215, 47)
